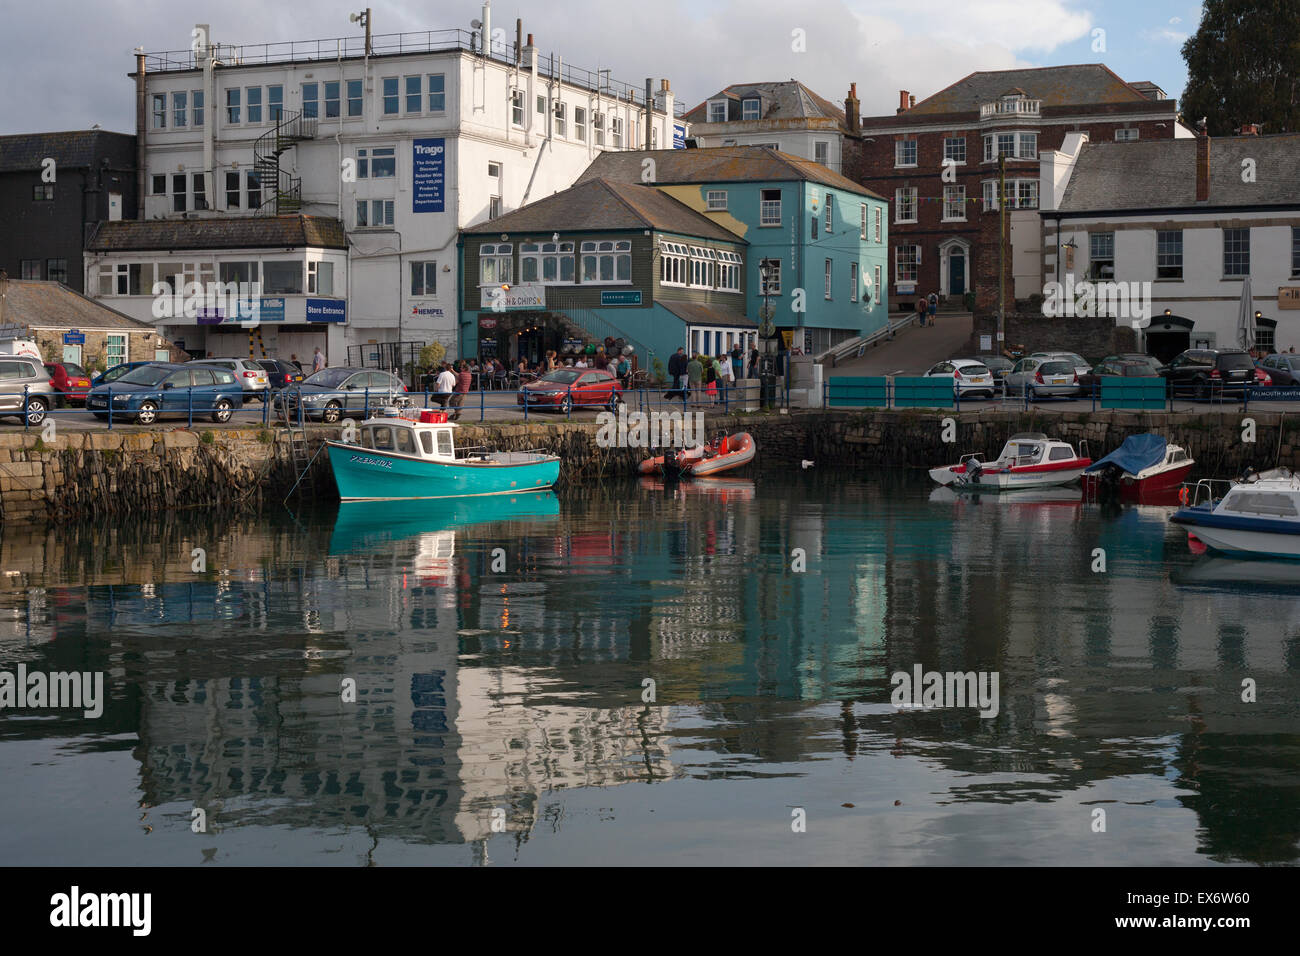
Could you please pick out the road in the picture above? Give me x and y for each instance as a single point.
(913, 350)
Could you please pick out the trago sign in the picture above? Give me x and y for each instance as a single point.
(428, 175)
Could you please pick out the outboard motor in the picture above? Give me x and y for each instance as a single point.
(974, 467)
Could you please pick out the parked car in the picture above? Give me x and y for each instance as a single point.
(281, 374)
(1077, 362)
(1206, 373)
(25, 376)
(70, 381)
(569, 388)
(333, 392)
(1151, 360)
(252, 377)
(998, 365)
(151, 391)
(1282, 368)
(1115, 367)
(969, 377)
(116, 372)
(1040, 378)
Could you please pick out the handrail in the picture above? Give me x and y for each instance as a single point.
(862, 341)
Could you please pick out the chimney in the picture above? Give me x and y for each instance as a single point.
(851, 109)
(911, 101)
(1250, 129)
(902, 100)
(1203, 167)
(664, 87)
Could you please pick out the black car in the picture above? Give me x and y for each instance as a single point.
(281, 373)
(999, 365)
(1150, 360)
(1208, 373)
(1116, 367)
(333, 393)
(1282, 368)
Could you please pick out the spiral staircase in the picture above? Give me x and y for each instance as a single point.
(281, 192)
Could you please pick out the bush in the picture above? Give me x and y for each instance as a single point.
(265, 437)
(207, 437)
(432, 355)
(657, 369)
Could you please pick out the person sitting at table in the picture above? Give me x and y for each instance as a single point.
(499, 374)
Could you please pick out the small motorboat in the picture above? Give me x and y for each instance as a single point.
(672, 460)
(399, 457)
(1028, 460)
(1258, 515)
(1145, 468)
(724, 453)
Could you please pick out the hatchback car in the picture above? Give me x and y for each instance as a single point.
(1038, 378)
(999, 365)
(116, 372)
(570, 388)
(333, 392)
(1151, 360)
(1077, 362)
(1282, 368)
(969, 377)
(25, 379)
(151, 391)
(1116, 368)
(281, 374)
(251, 376)
(70, 381)
(1207, 373)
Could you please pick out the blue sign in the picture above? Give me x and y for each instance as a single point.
(271, 310)
(679, 136)
(74, 337)
(428, 172)
(621, 297)
(1274, 394)
(209, 316)
(327, 310)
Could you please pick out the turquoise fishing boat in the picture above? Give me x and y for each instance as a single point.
(402, 458)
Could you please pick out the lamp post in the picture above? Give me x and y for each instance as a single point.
(766, 329)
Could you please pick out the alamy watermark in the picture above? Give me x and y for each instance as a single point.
(1118, 300)
(950, 689)
(211, 302)
(56, 690)
(652, 430)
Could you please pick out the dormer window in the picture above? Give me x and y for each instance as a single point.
(751, 108)
(717, 111)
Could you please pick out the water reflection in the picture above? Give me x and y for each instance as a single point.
(502, 651)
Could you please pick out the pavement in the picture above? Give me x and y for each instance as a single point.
(913, 349)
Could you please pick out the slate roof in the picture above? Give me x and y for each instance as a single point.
(41, 304)
(74, 149)
(243, 232)
(602, 204)
(694, 314)
(1053, 85)
(1161, 174)
(720, 164)
(784, 100)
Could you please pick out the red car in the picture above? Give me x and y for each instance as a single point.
(70, 381)
(570, 388)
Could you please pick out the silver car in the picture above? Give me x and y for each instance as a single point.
(1039, 378)
(251, 376)
(1077, 362)
(19, 375)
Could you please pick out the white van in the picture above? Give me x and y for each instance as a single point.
(21, 347)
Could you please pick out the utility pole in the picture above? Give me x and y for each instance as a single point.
(1002, 251)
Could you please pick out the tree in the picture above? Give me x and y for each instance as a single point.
(1243, 66)
(432, 354)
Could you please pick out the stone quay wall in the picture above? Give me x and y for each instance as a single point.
(95, 474)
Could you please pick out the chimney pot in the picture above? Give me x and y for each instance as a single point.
(911, 101)
(902, 100)
(530, 39)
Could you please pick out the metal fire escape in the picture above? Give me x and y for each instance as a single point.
(281, 192)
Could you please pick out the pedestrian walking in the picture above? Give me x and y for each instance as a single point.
(737, 361)
(318, 361)
(920, 311)
(677, 374)
(444, 385)
(694, 375)
(463, 381)
(753, 363)
(933, 307)
(293, 360)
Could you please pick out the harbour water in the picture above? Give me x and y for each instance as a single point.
(642, 674)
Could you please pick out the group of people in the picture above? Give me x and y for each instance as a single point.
(926, 307)
(495, 370)
(708, 373)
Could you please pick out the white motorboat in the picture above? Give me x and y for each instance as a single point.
(1258, 515)
(1029, 460)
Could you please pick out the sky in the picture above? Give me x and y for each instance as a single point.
(73, 56)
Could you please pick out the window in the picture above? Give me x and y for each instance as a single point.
(1011, 145)
(494, 199)
(1028, 146)
(673, 263)
(377, 162)
(1125, 135)
(178, 192)
(200, 190)
(813, 218)
(390, 96)
(274, 103)
(160, 111)
(414, 93)
(355, 99)
(121, 279)
(598, 127)
(715, 200)
(196, 101)
(880, 226)
(905, 152)
(728, 271)
(379, 213)
(517, 107)
(1101, 255)
(829, 266)
(180, 112)
(1026, 194)
(877, 285)
(237, 272)
(954, 148)
(42, 192)
(254, 189)
(494, 207)
(320, 278)
(702, 267)
(990, 194)
(561, 119)
(769, 207)
(750, 108)
(862, 229)
(56, 270)
(253, 98)
(853, 282)
(580, 124)
(232, 189)
(311, 100)
(158, 185)
(332, 99)
(232, 105)
(282, 277)
(830, 204)
(1236, 252)
(546, 262)
(424, 278)
(607, 261)
(717, 111)
(769, 277)
(954, 202)
(822, 152)
(905, 204)
(494, 263)
(1295, 250)
(906, 261)
(31, 269)
(114, 348)
(616, 131)
(1169, 254)
(1264, 338)
(437, 92)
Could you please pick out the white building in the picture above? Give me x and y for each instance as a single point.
(1192, 217)
(403, 138)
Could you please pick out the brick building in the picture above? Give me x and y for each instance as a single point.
(944, 231)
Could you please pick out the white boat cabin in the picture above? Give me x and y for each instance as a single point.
(1034, 448)
(403, 437)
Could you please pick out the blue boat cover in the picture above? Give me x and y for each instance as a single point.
(1137, 452)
